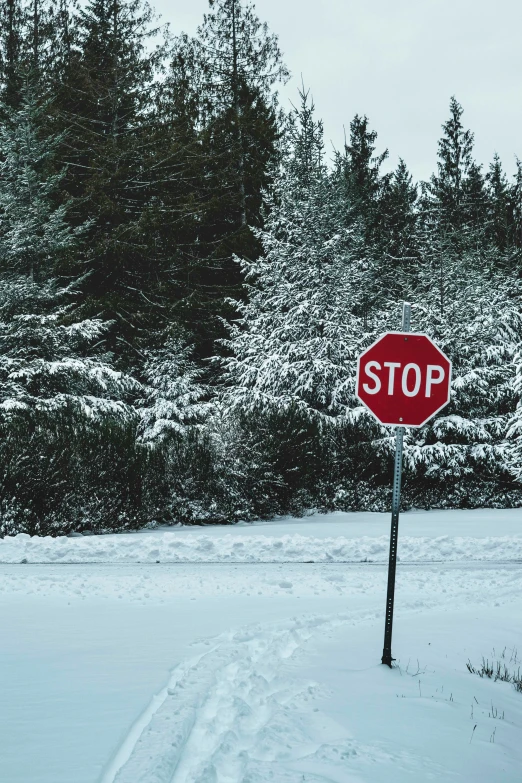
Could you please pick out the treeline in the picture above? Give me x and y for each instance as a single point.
(186, 282)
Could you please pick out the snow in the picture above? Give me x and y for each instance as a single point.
(329, 538)
(416, 723)
(250, 672)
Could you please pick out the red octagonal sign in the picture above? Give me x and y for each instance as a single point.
(404, 379)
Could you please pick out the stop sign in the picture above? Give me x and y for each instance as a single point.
(404, 379)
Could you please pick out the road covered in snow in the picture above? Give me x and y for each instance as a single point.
(252, 654)
(333, 538)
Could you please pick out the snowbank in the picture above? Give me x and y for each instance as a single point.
(169, 547)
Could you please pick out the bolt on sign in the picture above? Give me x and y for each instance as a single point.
(404, 379)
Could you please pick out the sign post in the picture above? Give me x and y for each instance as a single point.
(394, 534)
(404, 380)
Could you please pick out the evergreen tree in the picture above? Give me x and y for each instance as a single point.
(11, 51)
(34, 232)
(106, 103)
(68, 446)
(475, 197)
(62, 41)
(151, 194)
(455, 160)
(384, 204)
(173, 393)
(239, 63)
(365, 185)
(227, 73)
(176, 201)
(35, 235)
(59, 394)
(298, 334)
(40, 32)
(30, 32)
(499, 205)
(454, 200)
(517, 206)
(52, 361)
(462, 453)
(400, 236)
(291, 373)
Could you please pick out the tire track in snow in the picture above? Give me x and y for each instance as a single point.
(216, 706)
(229, 708)
(126, 749)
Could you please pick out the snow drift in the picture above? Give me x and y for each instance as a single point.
(170, 547)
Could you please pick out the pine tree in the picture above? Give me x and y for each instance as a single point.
(11, 51)
(28, 43)
(34, 232)
(298, 333)
(68, 447)
(62, 40)
(39, 34)
(454, 200)
(462, 453)
(475, 198)
(365, 185)
(228, 73)
(138, 194)
(402, 200)
(177, 201)
(400, 236)
(107, 103)
(517, 206)
(291, 373)
(42, 341)
(498, 205)
(52, 361)
(239, 62)
(173, 393)
(455, 160)
(59, 393)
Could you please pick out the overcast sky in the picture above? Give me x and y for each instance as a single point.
(399, 62)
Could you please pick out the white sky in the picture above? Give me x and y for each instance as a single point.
(399, 62)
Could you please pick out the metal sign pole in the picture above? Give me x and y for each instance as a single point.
(394, 535)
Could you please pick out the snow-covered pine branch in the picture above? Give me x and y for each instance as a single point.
(514, 434)
(50, 361)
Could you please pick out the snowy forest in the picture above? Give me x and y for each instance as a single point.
(188, 275)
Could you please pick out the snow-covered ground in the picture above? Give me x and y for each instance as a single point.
(212, 666)
(324, 538)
